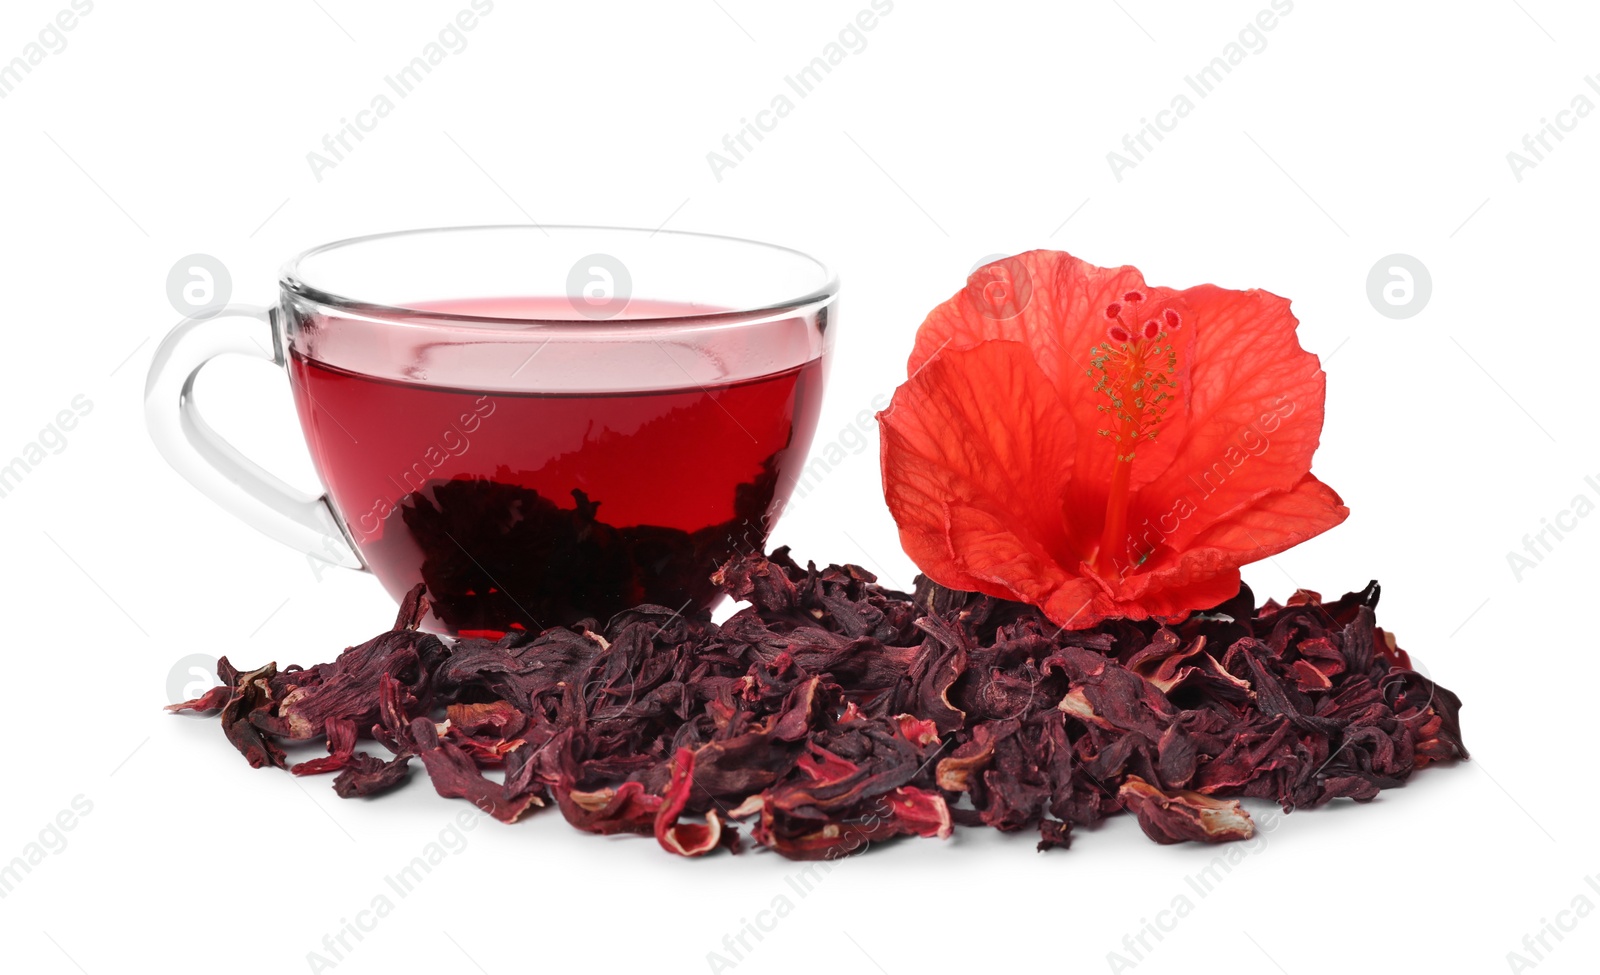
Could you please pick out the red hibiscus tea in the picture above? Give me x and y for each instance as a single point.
(523, 510)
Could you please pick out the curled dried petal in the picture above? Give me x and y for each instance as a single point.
(685, 839)
(1177, 817)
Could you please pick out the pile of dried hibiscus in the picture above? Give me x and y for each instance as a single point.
(832, 712)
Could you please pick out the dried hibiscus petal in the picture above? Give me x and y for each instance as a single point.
(684, 839)
(835, 713)
(488, 732)
(918, 812)
(456, 777)
(955, 773)
(364, 775)
(212, 700)
(1054, 834)
(625, 809)
(252, 693)
(341, 735)
(1173, 817)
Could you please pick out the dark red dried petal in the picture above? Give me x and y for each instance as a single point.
(212, 700)
(456, 777)
(365, 775)
(1180, 816)
(252, 694)
(625, 809)
(684, 839)
(839, 713)
(919, 812)
(341, 734)
(918, 731)
(1054, 834)
(955, 774)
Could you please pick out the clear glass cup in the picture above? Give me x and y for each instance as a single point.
(540, 424)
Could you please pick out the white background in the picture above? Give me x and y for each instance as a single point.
(1362, 129)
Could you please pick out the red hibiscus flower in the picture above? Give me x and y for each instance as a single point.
(1075, 439)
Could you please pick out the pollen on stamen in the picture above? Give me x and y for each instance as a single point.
(1119, 334)
(1133, 297)
(1151, 329)
(1173, 319)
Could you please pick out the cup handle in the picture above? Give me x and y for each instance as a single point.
(304, 523)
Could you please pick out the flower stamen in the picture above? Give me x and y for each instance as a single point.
(1137, 372)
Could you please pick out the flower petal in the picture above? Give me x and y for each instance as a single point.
(1276, 522)
(1056, 304)
(1206, 572)
(1058, 311)
(1255, 413)
(976, 452)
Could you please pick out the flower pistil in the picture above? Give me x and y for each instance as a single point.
(1135, 370)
